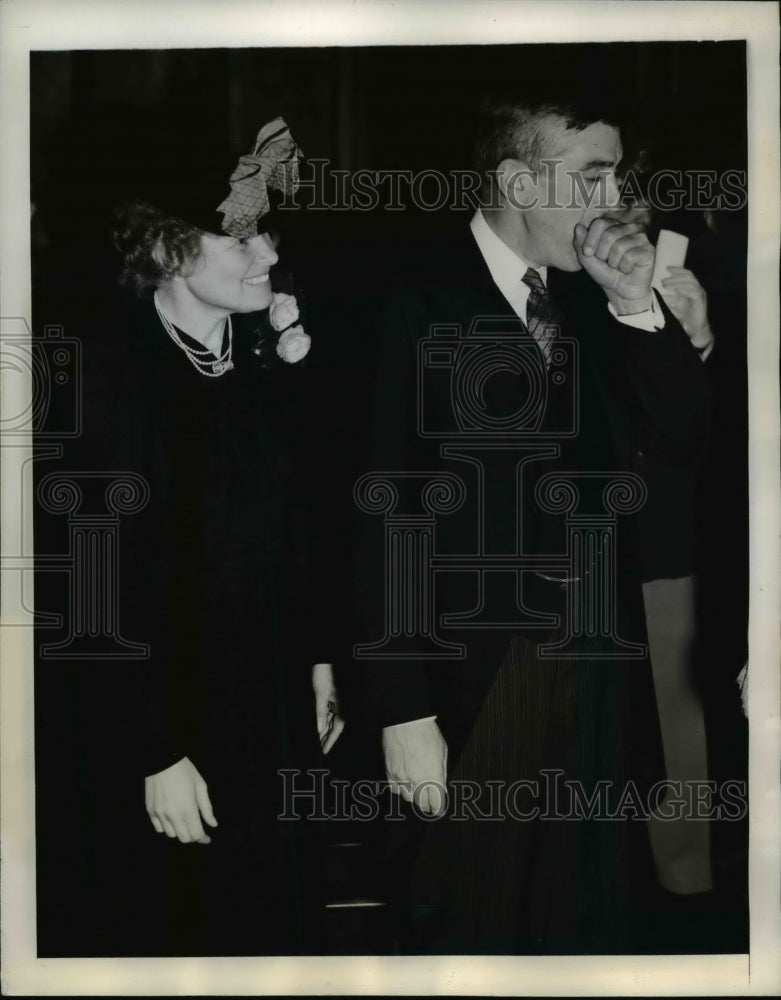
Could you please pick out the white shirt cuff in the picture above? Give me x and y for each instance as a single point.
(396, 725)
(650, 320)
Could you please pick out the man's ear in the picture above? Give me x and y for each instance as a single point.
(517, 183)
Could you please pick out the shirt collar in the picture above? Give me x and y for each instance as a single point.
(506, 266)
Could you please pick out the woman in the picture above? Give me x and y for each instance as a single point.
(213, 581)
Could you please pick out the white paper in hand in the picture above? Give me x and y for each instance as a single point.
(670, 252)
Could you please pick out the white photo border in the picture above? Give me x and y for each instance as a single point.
(28, 25)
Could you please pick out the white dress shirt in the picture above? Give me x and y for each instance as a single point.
(508, 267)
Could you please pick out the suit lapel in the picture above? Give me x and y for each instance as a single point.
(476, 284)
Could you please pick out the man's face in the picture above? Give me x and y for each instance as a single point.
(579, 185)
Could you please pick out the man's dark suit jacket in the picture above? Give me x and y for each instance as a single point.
(642, 396)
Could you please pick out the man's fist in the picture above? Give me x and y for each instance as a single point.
(416, 764)
(619, 257)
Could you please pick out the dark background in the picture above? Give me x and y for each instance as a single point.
(410, 108)
(375, 108)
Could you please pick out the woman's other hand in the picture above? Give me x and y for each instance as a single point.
(329, 722)
(176, 799)
(689, 304)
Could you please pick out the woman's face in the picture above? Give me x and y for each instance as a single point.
(232, 274)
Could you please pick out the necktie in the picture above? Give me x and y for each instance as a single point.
(543, 319)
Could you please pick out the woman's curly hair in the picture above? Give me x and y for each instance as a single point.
(154, 246)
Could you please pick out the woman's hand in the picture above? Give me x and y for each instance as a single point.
(176, 799)
(329, 722)
(689, 304)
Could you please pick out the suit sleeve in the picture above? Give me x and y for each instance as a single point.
(395, 690)
(667, 389)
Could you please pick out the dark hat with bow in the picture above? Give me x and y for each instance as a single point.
(192, 177)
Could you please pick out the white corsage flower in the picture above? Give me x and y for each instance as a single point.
(293, 344)
(283, 312)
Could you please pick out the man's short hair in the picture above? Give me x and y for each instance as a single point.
(522, 130)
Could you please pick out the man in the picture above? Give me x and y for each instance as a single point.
(499, 710)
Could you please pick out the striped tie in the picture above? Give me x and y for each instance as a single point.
(542, 317)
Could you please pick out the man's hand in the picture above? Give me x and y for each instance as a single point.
(329, 722)
(416, 764)
(689, 304)
(620, 259)
(176, 799)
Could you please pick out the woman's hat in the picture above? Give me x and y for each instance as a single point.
(192, 175)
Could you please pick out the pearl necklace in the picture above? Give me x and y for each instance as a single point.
(213, 369)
